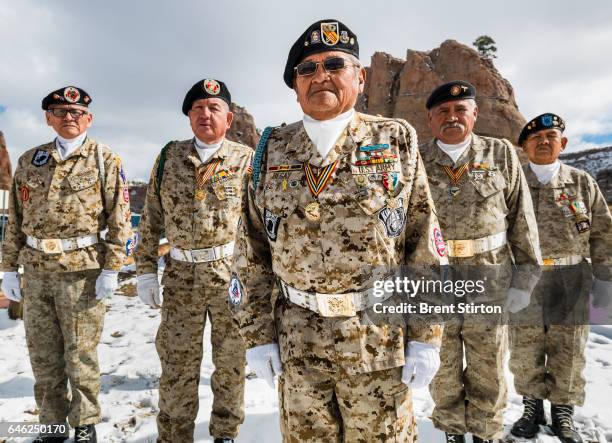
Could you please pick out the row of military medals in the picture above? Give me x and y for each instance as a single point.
(373, 155)
(203, 174)
(570, 206)
(478, 172)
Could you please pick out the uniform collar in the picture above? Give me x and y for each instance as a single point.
(300, 148)
(82, 150)
(433, 153)
(560, 179)
(220, 154)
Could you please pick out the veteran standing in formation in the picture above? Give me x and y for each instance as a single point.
(486, 216)
(64, 194)
(194, 199)
(335, 201)
(548, 341)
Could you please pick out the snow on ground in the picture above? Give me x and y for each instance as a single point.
(130, 370)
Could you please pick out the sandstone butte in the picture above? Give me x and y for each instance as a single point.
(399, 88)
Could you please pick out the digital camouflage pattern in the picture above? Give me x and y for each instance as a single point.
(63, 323)
(189, 223)
(52, 199)
(547, 352)
(363, 229)
(334, 407)
(194, 216)
(491, 196)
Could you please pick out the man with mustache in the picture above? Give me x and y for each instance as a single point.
(336, 201)
(64, 194)
(548, 341)
(486, 215)
(194, 198)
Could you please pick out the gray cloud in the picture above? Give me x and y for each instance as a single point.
(138, 59)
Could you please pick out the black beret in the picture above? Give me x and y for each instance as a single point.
(321, 36)
(69, 95)
(544, 121)
(207, 88)
(456, 90)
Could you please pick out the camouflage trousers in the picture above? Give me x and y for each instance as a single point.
(63, 323)
(471, 399)
(179, 345)
(324, 407)
(547, 346)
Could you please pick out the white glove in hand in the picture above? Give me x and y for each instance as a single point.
(602, 293)
(106, 284)
(517, 300)
(422, 363)
(265, 361)
(148, 290)
(10, 286)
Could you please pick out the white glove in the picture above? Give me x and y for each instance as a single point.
(10, 286)
(265, 361)
(106, 284)
(602, 293)
(517, 300)
(422, 363)
(148, 290)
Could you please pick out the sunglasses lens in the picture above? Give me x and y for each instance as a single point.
(334, 63)
(306, 68)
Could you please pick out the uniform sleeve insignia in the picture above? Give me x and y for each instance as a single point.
(272, 223)
(235, 291)
(41, 157)
(393, 219)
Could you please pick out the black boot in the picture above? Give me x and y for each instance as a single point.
(223, 440)
(455, 438)
(46, 439)
(85, 434)
(533, 416)
(477, 439)
(53, 438)
(563, 423)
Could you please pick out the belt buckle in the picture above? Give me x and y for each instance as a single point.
(548, 261)
(336, 305)
(51, 246)
(202, 255)
(460, 248)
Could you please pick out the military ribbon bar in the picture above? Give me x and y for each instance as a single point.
(316, 183)
(204, 172)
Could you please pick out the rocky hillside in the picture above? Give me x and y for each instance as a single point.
(598, 163)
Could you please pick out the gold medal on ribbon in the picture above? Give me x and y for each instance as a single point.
(312, 211)
(455, 175)
(203, 174)
(200, 194)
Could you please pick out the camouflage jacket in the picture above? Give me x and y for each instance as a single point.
(372, 217)
(55, 199)
(573, 218)
(490, 197)
(192, 215)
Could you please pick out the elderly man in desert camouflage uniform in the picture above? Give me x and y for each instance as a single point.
(487, 219)
(335, 201)
(64, 194)
(194, 197)
(548, 341)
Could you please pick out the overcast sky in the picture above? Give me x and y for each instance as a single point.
(138, 58)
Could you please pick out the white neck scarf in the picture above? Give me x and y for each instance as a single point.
(455, 151)
(545, 173)
(206, 151)
(325, 133)
(66, 146)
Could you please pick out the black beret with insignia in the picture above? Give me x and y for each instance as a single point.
(544, 121)
(69, 95)
(321, 36)
(207, 88)
(456, 90)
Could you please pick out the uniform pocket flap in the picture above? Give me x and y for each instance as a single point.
(490, 185)
(83, 180)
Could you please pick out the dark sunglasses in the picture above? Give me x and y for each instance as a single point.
(61, 113)
(331, 64)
